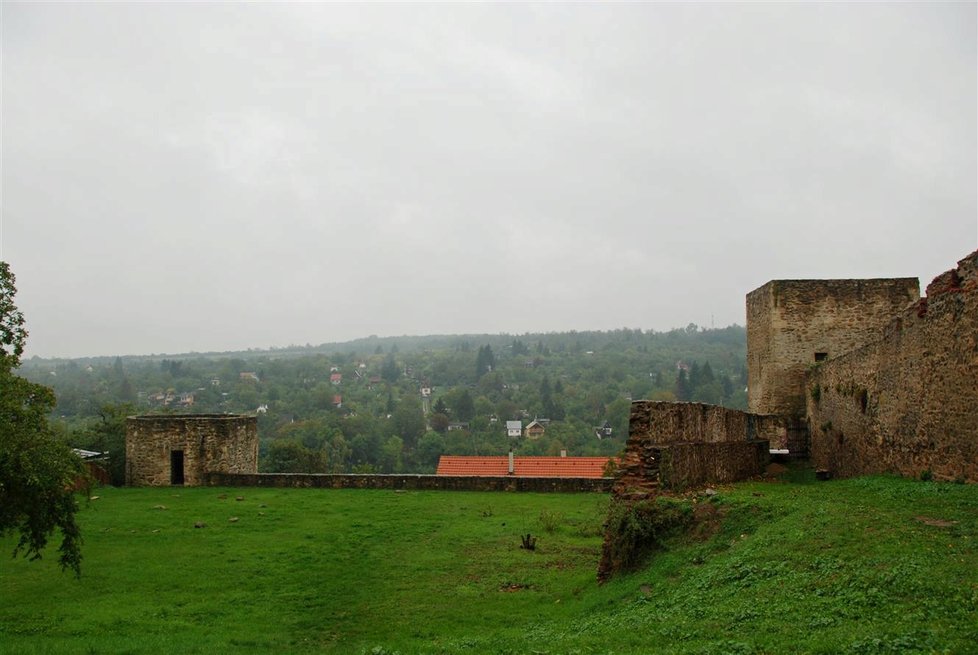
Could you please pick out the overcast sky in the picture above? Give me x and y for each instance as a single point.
(191, 177)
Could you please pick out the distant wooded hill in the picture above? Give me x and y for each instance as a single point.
(396, 403)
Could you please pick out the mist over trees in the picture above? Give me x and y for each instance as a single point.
(396, 404)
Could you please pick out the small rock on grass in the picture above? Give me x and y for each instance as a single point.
(159, 506)
(200, 524)
(233, 519)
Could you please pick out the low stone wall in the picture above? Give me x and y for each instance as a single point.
(907, 403)
(412, 482)
(678, 445)
(665, 423)
(685, 465)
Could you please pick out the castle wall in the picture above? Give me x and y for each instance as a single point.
(789, 321)
(209, 443)
(678, 445)
(908, 401)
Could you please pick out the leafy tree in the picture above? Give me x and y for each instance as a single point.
(36, 470)
(430, 448)
(392, 455)
(390, 370)
(109, 436)
(408, 421)
(463, 407)
(683, 391)
(290, 456)
(485, 361)
(439, 422)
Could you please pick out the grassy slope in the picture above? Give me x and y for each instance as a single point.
(830, 567)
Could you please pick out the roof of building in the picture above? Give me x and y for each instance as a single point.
(526, 467)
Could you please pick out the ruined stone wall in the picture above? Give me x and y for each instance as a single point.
(209, 442)
(414, 482)
(686, 465)
(789, 321)
(907, 402)
(687, 444)
(666, 423)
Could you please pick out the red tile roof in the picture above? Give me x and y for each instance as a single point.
(526, 467)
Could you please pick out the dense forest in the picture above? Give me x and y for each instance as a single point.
(397, 404)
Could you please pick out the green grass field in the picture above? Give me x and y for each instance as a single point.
(873, 565)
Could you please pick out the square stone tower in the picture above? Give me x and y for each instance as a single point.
(794, 324)
(183, 449)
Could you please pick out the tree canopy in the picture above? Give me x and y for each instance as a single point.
(37, 471)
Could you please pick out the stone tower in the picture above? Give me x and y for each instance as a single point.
(794, 324)
(182, 449)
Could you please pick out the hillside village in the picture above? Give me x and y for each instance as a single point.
(396, 405)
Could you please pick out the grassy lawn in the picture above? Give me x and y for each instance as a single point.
(873, 565)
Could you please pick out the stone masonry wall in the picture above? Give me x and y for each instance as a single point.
(414, 482)
(908, 401)
(210, 443)
(789, 321)
(686, 465)
(688, 444)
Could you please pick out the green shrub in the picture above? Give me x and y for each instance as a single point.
(636, 529)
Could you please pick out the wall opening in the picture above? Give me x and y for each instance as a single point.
(821, 357)
(176, 467)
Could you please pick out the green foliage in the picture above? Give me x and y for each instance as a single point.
(636, 529)
(579, 380)
(485, 361)
(108, 435)
(291, 456)
(37, 471)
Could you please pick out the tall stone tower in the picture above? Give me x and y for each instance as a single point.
(794, 324)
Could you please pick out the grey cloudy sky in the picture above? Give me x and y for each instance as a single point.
(183, 177)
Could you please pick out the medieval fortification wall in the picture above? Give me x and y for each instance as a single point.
(792, 324)
(907, 401)
(680, 445)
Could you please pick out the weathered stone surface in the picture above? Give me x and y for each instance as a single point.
(694, 464)
(209, 443)
(673, 445)
(906, 402)
(790, 323)
(414, 482)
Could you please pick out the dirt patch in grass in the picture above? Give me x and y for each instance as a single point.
(707, 518)
(511, 587)
(937, 523)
